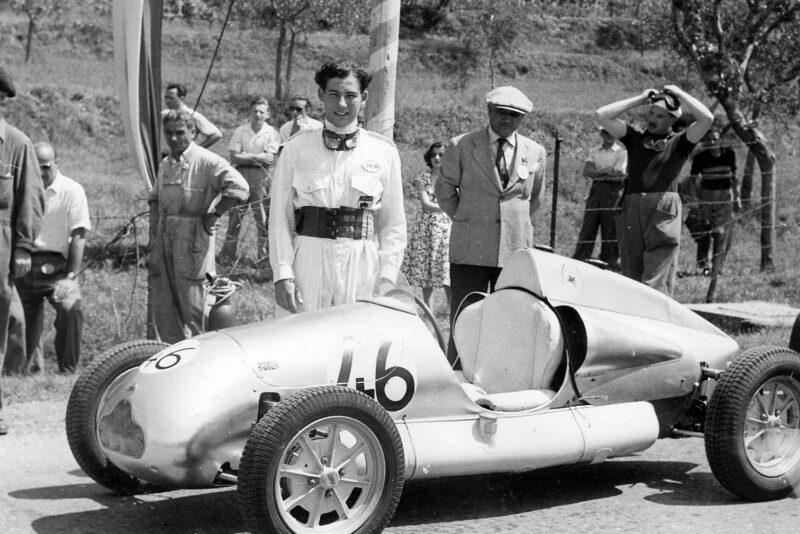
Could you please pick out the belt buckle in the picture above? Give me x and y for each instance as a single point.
(48, 268)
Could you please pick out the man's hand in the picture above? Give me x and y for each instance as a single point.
(287, 295)
(22, 262)
(64, 288)
(209, 221)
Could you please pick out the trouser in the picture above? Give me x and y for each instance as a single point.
(258, 203)
(649, 233)
(466, 279)
(181, 255)
(6, 296)
(710, 223)
(329, 272)
(600, 211)
(68, 324)
(16, 362)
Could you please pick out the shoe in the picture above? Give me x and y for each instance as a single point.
(3, 428)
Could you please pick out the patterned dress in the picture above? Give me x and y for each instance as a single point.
(426, 260)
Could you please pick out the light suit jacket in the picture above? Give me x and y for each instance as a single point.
(489, 223)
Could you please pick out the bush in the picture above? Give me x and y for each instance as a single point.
(617, 35)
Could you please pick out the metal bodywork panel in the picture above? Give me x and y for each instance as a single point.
(188, 411)
(529, 440)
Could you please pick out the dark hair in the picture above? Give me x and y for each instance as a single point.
(303, 98)
(429, 153)
(180, 115)
(179, 88)
(333, 69)
(259, 101)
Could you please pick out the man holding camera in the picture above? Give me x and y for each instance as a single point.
(649, 222)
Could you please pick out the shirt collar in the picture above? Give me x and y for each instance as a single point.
(493, 137)
(184, 155)
(350, 128)
(57, 184)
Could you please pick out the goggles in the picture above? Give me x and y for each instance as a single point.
(335, 141)
(671, 102)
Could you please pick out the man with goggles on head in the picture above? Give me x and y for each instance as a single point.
(649, 222)
(337, 225)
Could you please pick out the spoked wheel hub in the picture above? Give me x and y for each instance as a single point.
(772, 429)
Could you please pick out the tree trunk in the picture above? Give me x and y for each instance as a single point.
(29, 39)
(279, 61)
(287, 87)
(747, 180)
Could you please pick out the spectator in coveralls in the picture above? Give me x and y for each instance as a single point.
(649, 223)
(207, 133)
(492, 182)
(253, 149)
(21, 212)
(55, 265)
(605, 167)
(193, 189)
(337, 225)
(300, 120)
(713, 183)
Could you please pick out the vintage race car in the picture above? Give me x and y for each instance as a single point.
(321, 417)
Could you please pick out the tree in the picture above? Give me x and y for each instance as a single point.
(745, 54)
(37, 11)
(289, 14)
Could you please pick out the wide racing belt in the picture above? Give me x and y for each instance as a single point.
(330, 223)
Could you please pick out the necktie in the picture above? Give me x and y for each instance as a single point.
(335, 141)
(500, 161)
(295, 128)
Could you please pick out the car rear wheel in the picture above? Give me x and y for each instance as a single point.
(752, 434)
(327, 459)
(81, 419)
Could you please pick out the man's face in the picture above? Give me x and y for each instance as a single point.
(178, 134)
(504, 122)
(259, 113)
(47, 166)
(298, 108)
(659, 120)
(342, 99)
(171, 99)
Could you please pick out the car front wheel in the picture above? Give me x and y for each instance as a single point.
(326, 459)
(752, 434)
(81, 419)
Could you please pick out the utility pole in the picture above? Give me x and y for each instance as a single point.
(384, 36)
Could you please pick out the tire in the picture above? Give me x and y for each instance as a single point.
(82, 407)
(752, 434)
(318, 428)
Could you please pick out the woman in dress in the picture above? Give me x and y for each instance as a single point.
(426, 260)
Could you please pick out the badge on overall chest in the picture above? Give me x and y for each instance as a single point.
(522, 172)
(364, 201)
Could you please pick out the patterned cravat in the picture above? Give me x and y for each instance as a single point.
(500, 161)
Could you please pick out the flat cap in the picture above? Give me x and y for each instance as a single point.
(511, 98)
(6, 85)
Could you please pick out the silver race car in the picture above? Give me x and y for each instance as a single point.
(320, 418)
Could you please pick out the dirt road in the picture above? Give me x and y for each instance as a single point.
(669, 488)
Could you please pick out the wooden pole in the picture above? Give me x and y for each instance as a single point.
(384, 39)
(553, 213)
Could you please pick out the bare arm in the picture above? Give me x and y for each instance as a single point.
(607, 115)
(703, 116)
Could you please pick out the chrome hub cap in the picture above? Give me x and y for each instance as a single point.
(331, 477)
(772, 427)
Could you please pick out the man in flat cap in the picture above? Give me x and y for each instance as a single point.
(492, 183)
(21, 212)
(649, 223)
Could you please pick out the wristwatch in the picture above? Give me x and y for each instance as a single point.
(71, 276)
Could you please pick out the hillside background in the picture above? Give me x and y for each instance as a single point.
(67, 94)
